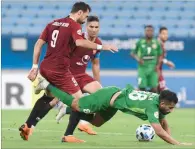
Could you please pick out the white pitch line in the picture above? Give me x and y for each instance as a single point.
(102, 133)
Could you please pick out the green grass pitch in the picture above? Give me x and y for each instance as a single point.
(117, 133)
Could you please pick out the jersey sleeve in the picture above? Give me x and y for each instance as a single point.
(44, 34)
(135, 50)
(153, 114)
(76, 31)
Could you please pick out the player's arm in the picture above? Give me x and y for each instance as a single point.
(96, 69)
(80, 42)
(163, 134)
(134, 54)
(165, 125)
(153, 116)
(37, 51)
(169, 63)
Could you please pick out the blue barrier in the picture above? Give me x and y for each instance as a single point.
(180, 50)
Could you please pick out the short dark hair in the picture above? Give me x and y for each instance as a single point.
(92, 18)
(168, 96)
(162, 28)
(80, 6)
(148, 26)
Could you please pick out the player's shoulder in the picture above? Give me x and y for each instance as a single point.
(155, 41)
(141, 41)
(98, 41)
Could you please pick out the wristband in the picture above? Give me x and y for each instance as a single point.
(99, 47)
(165, 61)
(35, 66)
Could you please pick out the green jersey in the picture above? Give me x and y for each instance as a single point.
(144, 105)
(148, 51)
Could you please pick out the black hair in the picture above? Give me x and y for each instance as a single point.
(168, 96)
(80, 6)
(92, 18)
(148, 26)
(162, 28)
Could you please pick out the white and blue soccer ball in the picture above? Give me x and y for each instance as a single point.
(145, 132)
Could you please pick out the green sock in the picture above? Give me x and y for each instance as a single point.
(63, 96)
(68, 110)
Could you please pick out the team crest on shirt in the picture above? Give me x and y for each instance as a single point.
(79, 32)
(156, 114)
(85, 59)
(154, 46)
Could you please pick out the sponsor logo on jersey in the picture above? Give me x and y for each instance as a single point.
(79, 32)
(85, 59)
(61, 24)
(154, 46)
(156, 114)
(79, 63)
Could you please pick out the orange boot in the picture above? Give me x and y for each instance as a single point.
(86, 128)
(24, 132)
(71, 139)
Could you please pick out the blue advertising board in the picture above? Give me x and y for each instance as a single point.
(180, 50)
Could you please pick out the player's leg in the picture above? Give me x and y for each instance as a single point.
(142, 79)
(161, 83)
(153, 81)
(34, 117)
(103, 116)
(88, 85)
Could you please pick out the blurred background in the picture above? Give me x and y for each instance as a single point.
(121, 23)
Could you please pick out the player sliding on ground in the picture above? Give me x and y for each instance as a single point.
(107, 101)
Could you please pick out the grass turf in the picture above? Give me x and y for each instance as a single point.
(117, 133)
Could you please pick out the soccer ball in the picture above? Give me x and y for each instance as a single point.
(145, 132)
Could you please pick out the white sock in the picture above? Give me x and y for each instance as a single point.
(83, 122)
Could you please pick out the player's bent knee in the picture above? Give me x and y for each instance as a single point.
(97, 121)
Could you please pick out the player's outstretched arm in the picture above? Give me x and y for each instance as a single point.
(37, 50)
(90, 45)
(165, 125)
(165, 136)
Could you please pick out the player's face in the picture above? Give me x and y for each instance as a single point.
(166, 107)
(93, 28)
(164, 35)
(149, 32)
(82, 16)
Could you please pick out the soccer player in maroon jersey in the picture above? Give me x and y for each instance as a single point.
(62, 36)
(163, 37)
(79, 61)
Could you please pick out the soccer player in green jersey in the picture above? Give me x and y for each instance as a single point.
(148, 55)
(102, 105)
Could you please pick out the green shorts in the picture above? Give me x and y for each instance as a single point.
(147, 77)
(99, 102)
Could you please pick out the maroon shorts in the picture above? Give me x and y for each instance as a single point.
(62, 80)
(83, 79)
(161, 83)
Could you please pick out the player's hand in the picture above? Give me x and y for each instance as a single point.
(141, 61)
(171, 64)
(186, 144)
(33, 74)
(111, 48)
